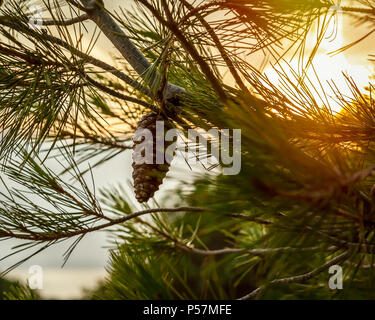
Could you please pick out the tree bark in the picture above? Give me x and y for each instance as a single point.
(126, 47)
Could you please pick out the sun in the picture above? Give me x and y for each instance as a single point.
(326, 67)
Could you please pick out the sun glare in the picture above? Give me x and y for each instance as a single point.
(327, 67)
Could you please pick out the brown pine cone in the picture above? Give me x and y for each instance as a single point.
(148, 177)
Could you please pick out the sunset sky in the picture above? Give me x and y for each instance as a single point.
(329, 67)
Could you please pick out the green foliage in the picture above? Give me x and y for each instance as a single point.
(15, 291)
(159, 259)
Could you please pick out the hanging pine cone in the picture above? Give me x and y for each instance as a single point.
(148, 177)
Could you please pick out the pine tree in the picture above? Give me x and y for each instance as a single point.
(302, 202)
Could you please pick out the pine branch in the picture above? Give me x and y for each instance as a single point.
(53, 236)
(258, 252)
(173, 27)
(300, 278)
(120, 95)
(219, 46)
(89, 59)
(369, 11)
(255, 252)
(125, 46)
(87, 138)
(69, 22)
(37, 61)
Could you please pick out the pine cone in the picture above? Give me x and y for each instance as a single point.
(148, 177)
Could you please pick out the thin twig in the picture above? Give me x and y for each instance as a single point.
(119, 95)
(300, 278)
(256, 252)
(52, 236)
(69, 22)
(251, 219)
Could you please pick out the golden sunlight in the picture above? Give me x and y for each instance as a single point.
(327, 67)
